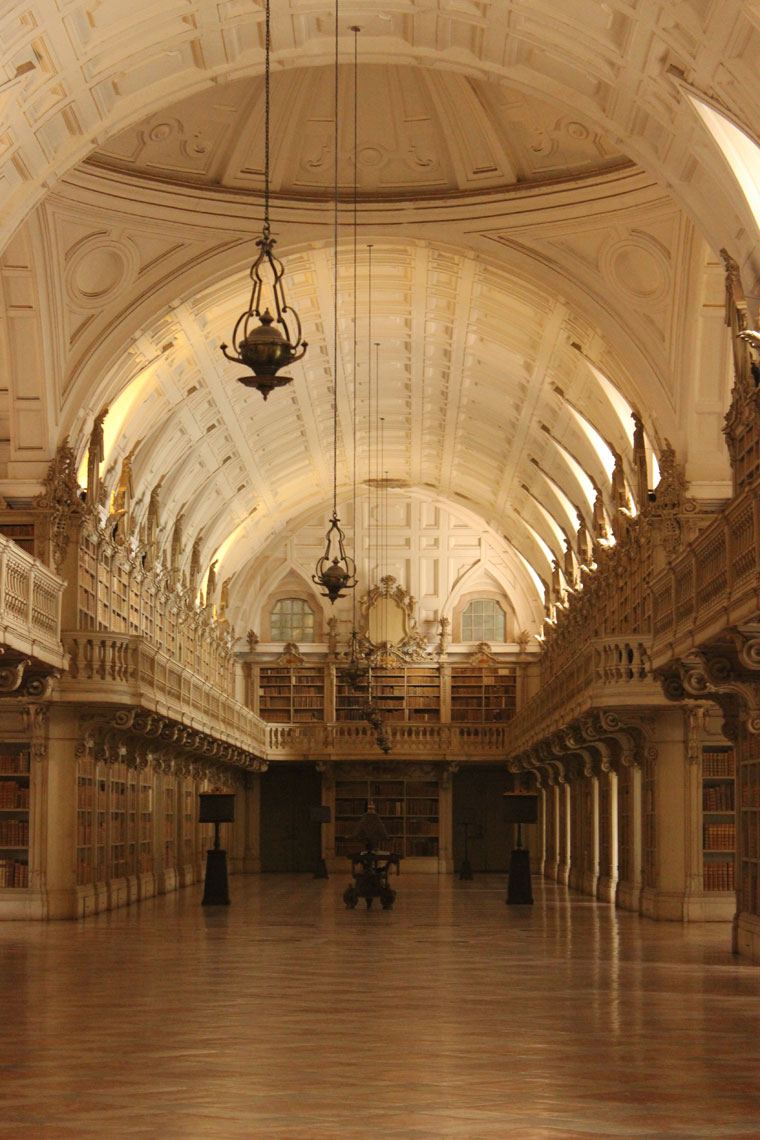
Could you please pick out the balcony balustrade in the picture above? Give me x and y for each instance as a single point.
(123, 669)
(30, 606)
(712, 585)
(433, 741)
(604, 673)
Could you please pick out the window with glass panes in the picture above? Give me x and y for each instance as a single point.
(483, 620)
(291, 619)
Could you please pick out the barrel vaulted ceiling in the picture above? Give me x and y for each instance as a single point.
(544, 209)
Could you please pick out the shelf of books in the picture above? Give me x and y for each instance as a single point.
(408, 693)
(308, 693)
(749, 855)
(350, 700)
(14, 815)
(409, 810)
(423, 695)
(625, 825)
(648, 828)
(275, 693)
(483, 694)
(21, 533)
(718, 820)
(291, 694)
(389, 694)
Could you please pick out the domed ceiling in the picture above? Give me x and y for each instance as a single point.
(420, 131)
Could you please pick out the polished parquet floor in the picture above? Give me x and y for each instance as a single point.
(451, 1017)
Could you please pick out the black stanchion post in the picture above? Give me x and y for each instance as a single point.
(216, 808)
(520, 808)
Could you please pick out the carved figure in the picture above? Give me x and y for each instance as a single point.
(224, 598)
(195, 567)
(583, 541)
(601, 531)
(211, 582)
(176, 550)
(95, 454)
(61, 498)
(152, 525)
(121, 506)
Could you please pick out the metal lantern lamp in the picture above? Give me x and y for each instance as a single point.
(257, 341)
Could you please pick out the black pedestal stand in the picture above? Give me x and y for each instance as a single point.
(465, 871)
(216, 890)
(320, 871)
(519, 889)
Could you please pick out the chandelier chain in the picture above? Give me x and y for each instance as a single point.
(267, 49)
(335, 276)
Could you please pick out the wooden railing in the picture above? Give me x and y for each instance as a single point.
(604, 673)
(124, 669)
(30, 605)
(434, 741)
(714, 583)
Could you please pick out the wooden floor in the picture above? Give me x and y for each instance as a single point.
(451, 1016)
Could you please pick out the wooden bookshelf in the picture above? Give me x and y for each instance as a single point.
(101, 816)
(389, 693)
(145, 824)
(648, 824)
(117, 815)
(14, 815)
(132, 822)
(423, 695)
(483, 694)
(408, 808)
(625, 824)
(308, 693)
(21, 533)
(350, 701)
(718, 819)
(749, 800)
(407, 693)
(85, 820)
(275, 693)
(291, 694)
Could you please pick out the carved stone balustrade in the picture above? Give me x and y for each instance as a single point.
(121, 669)
(431, 741)
(712, 585)
(605, 673)
(30, 610)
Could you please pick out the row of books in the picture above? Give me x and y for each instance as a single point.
(13, 796)
(719, 877)
(716, 763)
(720, 797)
(719, 836)
(751, 796)
(14, 763)
(14, 833)
(13, 873)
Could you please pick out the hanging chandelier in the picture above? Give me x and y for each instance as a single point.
(335, 570)
(264, 341)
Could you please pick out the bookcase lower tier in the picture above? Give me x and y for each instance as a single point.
(409, 810)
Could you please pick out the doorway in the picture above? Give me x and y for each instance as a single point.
(290, 840)
(478, 810)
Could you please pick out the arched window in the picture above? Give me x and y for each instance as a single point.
(291, 619)
(484, 620)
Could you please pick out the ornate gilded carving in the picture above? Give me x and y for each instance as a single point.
(62, 498)
(389, 626)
